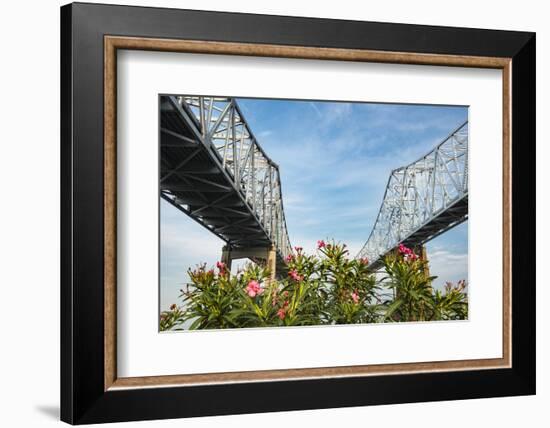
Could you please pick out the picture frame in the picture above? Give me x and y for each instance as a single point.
(91, 35)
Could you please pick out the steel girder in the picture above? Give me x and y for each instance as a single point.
(422, 199)
(214, 170)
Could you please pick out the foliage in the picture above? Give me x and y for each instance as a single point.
(412, 288)
(351, 287)
(413, 298)
(172, 319)
(453, 303)
(211, 298)
(323, 288)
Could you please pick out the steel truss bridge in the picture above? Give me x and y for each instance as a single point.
(213, 169)
(423, 199)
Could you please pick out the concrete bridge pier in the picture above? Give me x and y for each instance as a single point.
(423, 253)
(266, 256)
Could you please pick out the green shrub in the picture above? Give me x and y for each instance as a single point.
(325, 288)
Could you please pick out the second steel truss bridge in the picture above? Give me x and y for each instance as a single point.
(423, 199)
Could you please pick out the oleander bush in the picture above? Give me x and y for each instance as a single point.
(324, 288)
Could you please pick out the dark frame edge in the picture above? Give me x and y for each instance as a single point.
(66, 274)
(524, 220)
(82, 401)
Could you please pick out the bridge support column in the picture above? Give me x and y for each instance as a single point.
(226, 257)
(271, 262)
(424, 256)
(267, 255)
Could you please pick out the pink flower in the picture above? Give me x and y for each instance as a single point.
(253, 288)
(294, 275)
(407, 253)
(321, 244)
(364, 261)
(355, 297)
(221, 266)
(298, 249)
(281, 313)
(289, 258)
(404, 250)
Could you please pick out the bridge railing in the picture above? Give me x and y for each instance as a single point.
(417, 193)
(254, 174)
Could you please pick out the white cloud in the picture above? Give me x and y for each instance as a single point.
(447, 266)
(183, 244)
(314, 107)
(180, 241)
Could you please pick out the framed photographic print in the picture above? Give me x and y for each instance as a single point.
(265, 213)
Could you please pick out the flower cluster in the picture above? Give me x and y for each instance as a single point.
(295, 276)
(459, 287)
(407, 253)
(281, 313)
(253, 288)
(221, 267)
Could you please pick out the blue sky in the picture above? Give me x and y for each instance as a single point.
(334, 160)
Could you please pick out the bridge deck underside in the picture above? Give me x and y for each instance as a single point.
(440, 223)
(193, 179)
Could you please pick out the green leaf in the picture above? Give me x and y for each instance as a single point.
(392, 308)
